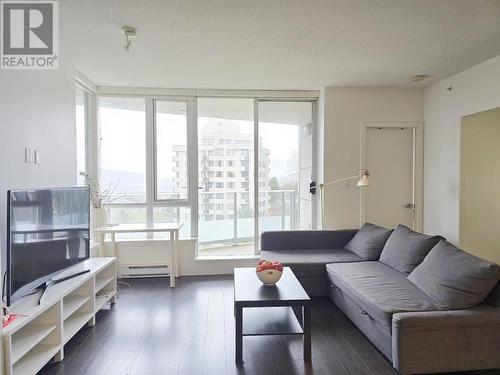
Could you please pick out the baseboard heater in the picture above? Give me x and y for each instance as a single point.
(152, 270)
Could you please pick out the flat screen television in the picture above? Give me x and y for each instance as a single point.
(48, 231)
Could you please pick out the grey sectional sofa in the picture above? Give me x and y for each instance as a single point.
(426, 305)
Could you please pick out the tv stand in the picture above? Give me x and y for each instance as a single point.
(41, 330)
(51, 282)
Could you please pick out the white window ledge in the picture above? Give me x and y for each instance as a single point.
(226, 258)
(118, 240)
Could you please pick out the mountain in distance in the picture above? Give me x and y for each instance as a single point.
(128, 182)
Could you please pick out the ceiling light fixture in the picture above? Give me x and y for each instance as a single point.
(130, 33)
(419, 77)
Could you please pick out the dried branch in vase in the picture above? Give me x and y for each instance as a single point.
(100, 198)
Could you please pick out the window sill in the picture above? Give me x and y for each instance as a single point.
(198, 258)
(184, 239)
(226, 258)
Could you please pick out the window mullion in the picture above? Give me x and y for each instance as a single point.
(150, 172)
(314, 166)
(192, 163)
(93, 149)
(256, 174)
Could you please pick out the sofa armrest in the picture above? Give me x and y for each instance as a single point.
(446, 341)
(306, 239)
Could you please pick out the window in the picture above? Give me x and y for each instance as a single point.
(171, 150)
(125, 143)
(173, 214)
(81, 129)
(122, 124)
(146, 156)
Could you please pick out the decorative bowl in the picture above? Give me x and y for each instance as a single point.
(269, 272)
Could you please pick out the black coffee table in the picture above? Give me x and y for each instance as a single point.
(262, 310)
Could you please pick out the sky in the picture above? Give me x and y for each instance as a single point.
(123, 140)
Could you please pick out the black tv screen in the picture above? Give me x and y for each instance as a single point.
(48, 230)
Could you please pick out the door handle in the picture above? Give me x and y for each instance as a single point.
(409, 205)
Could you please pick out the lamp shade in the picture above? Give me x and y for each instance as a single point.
(365, 179)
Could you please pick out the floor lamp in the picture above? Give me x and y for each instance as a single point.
(363, 181)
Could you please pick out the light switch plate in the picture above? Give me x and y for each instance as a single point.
(27, 155)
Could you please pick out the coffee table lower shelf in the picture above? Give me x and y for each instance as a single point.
(259, 310)
(270, 321)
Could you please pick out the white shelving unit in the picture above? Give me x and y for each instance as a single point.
(40, 332)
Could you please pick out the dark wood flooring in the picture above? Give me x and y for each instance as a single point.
(189, 330)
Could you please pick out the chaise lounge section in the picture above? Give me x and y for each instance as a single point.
(307, 253)
(428, 306)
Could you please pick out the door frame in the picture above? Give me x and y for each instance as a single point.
(418, 165)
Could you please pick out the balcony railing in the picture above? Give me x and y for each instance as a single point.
(277, 213)
(235, 225)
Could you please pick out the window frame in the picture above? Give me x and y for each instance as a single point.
(150, 178)
(190, 97)
(189, 154)
(89, 111)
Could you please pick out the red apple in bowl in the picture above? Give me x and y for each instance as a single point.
(269, 272)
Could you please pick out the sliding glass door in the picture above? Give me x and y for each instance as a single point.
(285, 165)
(238, 156)
(226, 177)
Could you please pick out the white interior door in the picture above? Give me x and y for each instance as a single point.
(389, 156)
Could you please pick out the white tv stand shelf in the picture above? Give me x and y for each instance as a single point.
(40, 332)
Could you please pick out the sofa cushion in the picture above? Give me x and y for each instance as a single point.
(306, 239)
(453, 278)
(310, 262)
(494, 297)
(379, 290)
(406, 249)
(369, 241)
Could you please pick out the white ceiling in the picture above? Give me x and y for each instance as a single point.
(278, 44)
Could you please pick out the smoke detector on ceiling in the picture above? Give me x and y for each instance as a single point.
(419, 77)
(130, 33)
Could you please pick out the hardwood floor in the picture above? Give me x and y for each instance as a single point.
(189, 330)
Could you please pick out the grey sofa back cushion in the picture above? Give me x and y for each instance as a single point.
(369, 241)
(406, 249)
(494, 297)
(453, 278)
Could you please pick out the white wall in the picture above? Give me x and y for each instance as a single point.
(473, 90)
(37, 110)
(345, 110)
(479, 171)
(158, 252)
